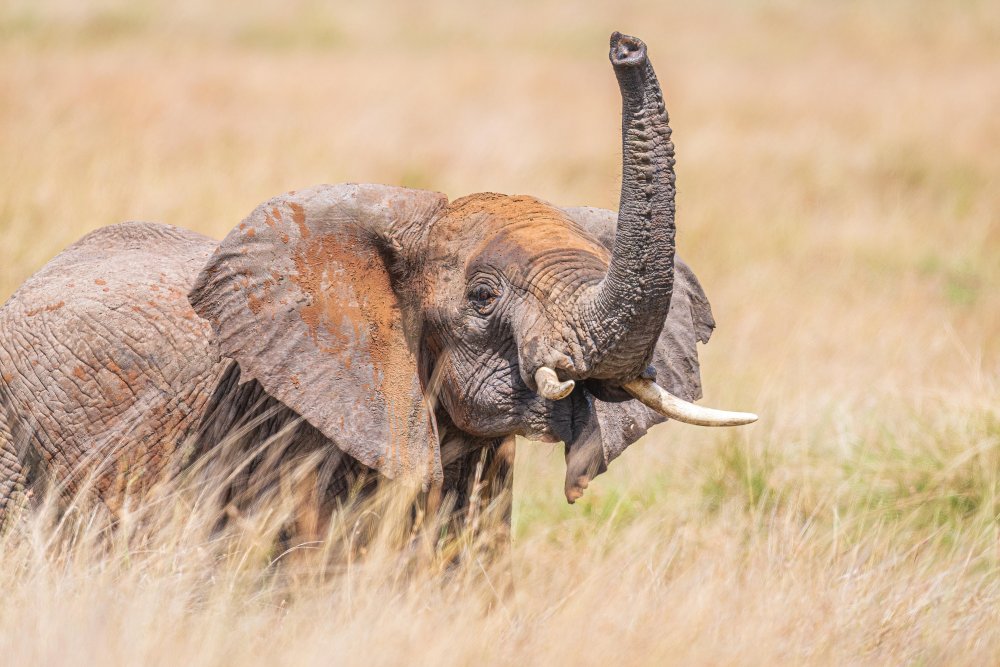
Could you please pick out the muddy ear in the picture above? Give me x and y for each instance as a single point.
(675, 359)
(308, 295)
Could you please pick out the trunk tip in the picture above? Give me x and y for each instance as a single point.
(627, 51)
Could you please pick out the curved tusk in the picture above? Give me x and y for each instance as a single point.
(659, 399)
(549, 385)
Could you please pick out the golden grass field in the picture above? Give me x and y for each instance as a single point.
(839, 197)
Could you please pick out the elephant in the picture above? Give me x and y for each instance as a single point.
(386, 332)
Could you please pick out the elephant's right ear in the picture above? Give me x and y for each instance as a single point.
(308, 296)
(675, 357)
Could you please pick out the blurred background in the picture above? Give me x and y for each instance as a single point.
(838, 195)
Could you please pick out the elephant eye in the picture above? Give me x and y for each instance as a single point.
(483, 298)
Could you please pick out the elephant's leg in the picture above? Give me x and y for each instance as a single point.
(478, 482)
(478, 487)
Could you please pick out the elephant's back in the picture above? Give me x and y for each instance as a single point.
(119, 254)
(101, 352)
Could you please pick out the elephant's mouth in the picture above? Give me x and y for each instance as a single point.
(574, 421)
(571, 416)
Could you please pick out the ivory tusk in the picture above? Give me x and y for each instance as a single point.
(659, 399)
(549, 385)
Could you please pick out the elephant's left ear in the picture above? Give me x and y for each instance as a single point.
(309, 296)
(675, 358)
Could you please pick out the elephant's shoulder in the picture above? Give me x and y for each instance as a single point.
(118, 296)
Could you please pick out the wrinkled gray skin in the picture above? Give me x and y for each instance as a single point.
(386, 332)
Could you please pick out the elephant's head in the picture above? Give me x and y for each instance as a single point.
(386, 316)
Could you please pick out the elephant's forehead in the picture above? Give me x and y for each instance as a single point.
(505, 229)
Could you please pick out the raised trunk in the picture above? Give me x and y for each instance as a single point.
(625, 313)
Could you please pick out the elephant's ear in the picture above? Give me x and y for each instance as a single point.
(675, 359)
(309, 296)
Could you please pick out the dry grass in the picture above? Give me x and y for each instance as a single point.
(839, 198)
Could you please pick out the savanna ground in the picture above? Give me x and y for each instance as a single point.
(838, 196)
